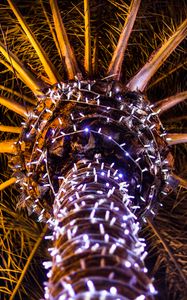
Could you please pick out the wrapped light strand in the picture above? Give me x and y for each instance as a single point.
(92, 163)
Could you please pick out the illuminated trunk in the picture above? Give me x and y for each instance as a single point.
(97, 253)
(95, 160)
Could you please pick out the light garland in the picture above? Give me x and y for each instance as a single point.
(92, 160)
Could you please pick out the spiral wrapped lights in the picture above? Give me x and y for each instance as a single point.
(92, 160)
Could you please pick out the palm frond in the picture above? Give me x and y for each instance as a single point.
(24, 74)
(167, 242)
(118, 56)
(141, 79)
(10, 129)
(176, 138)
(13, 92)
(30, 257)
(8, 146)
(51, 28)
(7, 183)
(87, 55)
(20, 237)
(12, 105)
(169, 102)
(154, 24)
(67, 52)
(49, 68)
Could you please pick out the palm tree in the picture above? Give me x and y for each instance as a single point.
(90, 156)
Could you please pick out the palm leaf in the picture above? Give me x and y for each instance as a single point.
(167, 242)
(49, 68)
(20, 233)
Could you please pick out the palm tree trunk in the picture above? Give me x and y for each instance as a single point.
(95, 158)
(96, 252)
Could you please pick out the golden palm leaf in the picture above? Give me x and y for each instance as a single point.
(46, 42)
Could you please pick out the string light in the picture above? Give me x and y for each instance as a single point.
(92, 175)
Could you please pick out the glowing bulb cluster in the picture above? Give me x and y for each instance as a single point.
(92, 161)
